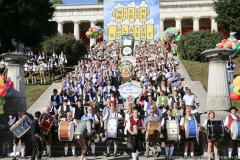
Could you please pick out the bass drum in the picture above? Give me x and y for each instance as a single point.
(235, 130)
(112, 126)
(215, 130)
(152, 131)
(172, 130)
(191, 129)
(21, 126)
(65, 131)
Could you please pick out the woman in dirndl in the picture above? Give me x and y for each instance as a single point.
(214, 143)
(128, 115)
(134, 127)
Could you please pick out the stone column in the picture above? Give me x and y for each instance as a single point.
(60, 27)
(214, 26)
(16, 75)
(179, 24)
(196, 23)
(76, 29)
(162, 27)
(92, 41)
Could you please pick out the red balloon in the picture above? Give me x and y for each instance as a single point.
(11, 84)
(234, 97)
(4, 78)
(3, 92)
(235, 40)
(220, 46)
(230, 46)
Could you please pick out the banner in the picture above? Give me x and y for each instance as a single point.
(130, 90)
(135, 17)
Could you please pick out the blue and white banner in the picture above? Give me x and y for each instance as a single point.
(135, 17)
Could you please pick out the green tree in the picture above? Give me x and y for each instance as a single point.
(57, 2)
(228, 15)
(26, 21)
(191, 45)
(74, 49)
(100, 1)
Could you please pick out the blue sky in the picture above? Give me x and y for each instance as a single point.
(79, 1)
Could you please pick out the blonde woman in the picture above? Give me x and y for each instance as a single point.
(214, 143)
(128, 115)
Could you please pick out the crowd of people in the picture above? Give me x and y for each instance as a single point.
(89, 98)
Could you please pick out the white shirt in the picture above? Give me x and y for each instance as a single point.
(189, 100)
(13, 121)
(163, 121)
(226, 119)
(112, 115)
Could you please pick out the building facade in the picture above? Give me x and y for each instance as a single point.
(186, 15)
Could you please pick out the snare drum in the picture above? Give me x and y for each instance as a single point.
(215, 130)
(112, 126)
(191, 129)
(65, 131)
(21, 126)
(235, 130)
(172, 130)
(152, 131)
(46, 123)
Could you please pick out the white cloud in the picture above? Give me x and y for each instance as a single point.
(150, 21)
(111, 23)
(143, 4)
(118, 6)
(125, 22)
(131, 24)
(137, 22)
(132, 4)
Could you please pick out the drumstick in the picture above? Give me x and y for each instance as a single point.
(4, 70)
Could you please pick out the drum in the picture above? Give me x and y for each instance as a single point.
(112, 126)
(235, 130)
(46, 123)
(191, 129)
(215, 130)
(172, 130)
(194, 112)
(65, 131)
(21, 126)
(152, 131)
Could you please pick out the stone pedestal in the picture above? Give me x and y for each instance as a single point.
(16, 75)
(218, 91)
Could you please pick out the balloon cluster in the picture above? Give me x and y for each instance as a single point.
(171, 33)
(230, 43)
(235, 89)
(94, 32)
(6, 87)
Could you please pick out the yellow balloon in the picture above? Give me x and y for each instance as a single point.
(236, 90)
(236, 81)
(238, 77)
(1, 81)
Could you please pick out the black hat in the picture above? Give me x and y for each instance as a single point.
(112, 91)
(79, 100)
(65, 99)
(233, 108)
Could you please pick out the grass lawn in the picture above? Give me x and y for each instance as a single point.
(198, 71)
(35, 91)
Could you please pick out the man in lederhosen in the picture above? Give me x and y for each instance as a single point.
(83, 131)
(11, 122)
(52, 65)
(63, 109)
(184, 120)
(56, 99)
(94, 117)
(112, 115)
(169, 145)
(52, 112)
(79, 110)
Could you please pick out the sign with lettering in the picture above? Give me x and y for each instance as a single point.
(130, 90)
(139, 18)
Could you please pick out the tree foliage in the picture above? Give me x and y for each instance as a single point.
(57, 2)
(228, 15)
(100, 1)
(191, 45)
(26, 21)
(74, 49)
